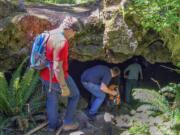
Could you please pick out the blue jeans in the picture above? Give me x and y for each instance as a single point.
(98, 96)
(130, 84)
(52, 102)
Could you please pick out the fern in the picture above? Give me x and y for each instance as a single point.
(4, 103)
(171, 88)
(139, 129)
(177, 98)
(152, 97)
(30, 89)
(28, 84)
(3, 123)
(14, 84)
(14, 97)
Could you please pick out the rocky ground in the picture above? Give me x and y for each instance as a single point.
(120, 121)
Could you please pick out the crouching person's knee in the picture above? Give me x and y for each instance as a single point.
(102, 96)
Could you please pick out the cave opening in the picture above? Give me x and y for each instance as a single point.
(162, 73)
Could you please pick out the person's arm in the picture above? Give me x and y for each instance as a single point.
(140, 71)
(125, 72)
(59, 72)
(105, 82)
(105, 89)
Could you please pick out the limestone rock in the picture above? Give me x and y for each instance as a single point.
(123, 121)
(6, 8)
(16, 36)
(107, 35)
(154, 131)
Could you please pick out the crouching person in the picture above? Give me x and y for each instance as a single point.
(57, 53)
(96, 81)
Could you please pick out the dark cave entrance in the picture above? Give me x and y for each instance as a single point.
(157, 71)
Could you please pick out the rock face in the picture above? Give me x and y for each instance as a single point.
(108, 35)
(124, 36)
(16, 37)
(119, 40)
(6, 8)
(114, 37)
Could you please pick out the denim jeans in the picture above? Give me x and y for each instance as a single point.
(52, 102)
(98, 96)
(130, 84)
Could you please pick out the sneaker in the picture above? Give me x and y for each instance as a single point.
(70, 127)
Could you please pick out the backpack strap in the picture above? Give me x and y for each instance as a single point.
(50, 76)
(49, 65)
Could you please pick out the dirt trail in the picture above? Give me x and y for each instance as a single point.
(56, 13)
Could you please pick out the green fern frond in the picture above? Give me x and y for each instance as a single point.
(139, 129)
(152, 97)
(16, 76)
(28, 90)
(177, 98)
(176, 119)
(5, 106)
(171, 88)
(14, 86)
(4, 121)
(4, 103)
(167, 89)
(20, 90)
(24, 83)
(3, 84)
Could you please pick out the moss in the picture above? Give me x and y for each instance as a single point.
(91, 35)
(173, 44)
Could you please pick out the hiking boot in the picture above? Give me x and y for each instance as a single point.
(70, 127)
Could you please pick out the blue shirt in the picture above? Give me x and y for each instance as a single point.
(97, 75)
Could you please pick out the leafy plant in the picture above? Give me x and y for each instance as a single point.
(63, 1)
(176, 119)
(158, 102)
(139, 129)
(172, 90)
(157, 15)
(15, 96)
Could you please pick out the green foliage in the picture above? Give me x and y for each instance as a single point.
(158, 102)
(176, 119)
(15, 96)
(62, 1)
(177, 98)
(139, 129)
(157, 15)
(178, 64)
(172, 90)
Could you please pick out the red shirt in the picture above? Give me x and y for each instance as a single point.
(62, 56)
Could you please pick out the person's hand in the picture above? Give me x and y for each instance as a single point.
(65, 91)
(113, 93)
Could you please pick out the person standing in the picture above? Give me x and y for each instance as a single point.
(133, 71)
(57, 53)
